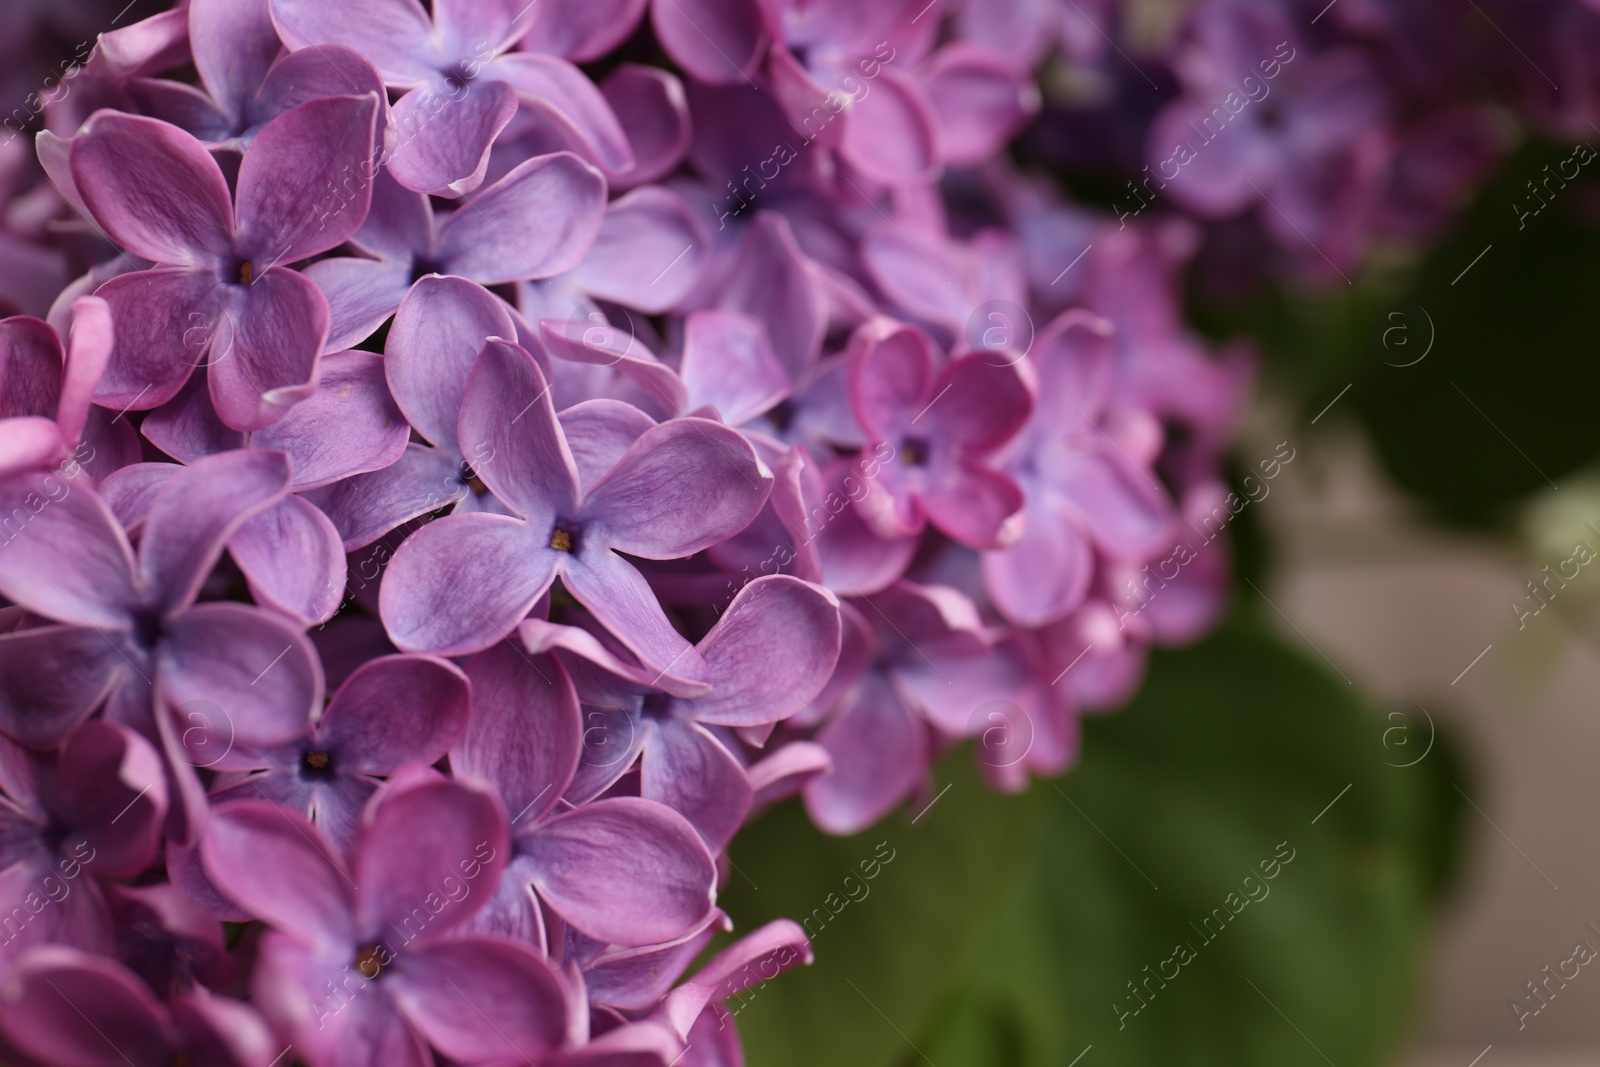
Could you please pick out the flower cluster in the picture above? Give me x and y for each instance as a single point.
(457, 463)
(1305, 137)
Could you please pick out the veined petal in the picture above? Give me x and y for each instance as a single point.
(438, 331)
(293, 560)
(525, 734)
(278, 867)
(684, 486)
(463, 582)
(509, 433)
(420, 830)
(196, 512)
(439, 136)
(395, 34)
(155, 189)
(396, 710)
(305, 181)
(268, 337)
(449, 990)
(62, 552)
(253, 673)
(539, 220)
(626, 870)
(564, 96)
(770, 653)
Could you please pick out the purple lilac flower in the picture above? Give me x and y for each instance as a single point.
(559, 526)
(124, 629)
(92, 810)
(461, 83)
(622, 870)
(363, 959)
(1083, 491)
(53, 991)
(393, 711)
(220, 296)
(941, 425)
(538, 220)
(768, 655)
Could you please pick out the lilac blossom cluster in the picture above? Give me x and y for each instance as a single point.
(1307, 138)
(457, 463)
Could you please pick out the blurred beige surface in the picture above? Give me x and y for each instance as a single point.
(1404, 607)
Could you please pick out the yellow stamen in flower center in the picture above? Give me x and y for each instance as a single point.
(369, 962)
(561, 540)
(914, 452)
(247, 273)
(317, 761)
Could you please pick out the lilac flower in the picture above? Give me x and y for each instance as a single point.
(921, 658)
(53, 992)
(291, 554)
(461, 84)
(363, 960)
(125, 629)
(757, 957)
(942, 425)
(393, 711)
(622, 870)
(245, 79)
(45, 412)
(1313, 145)
(538, 220)
(1083, 491)
(94, 809)
(220, 295)
(434, 343)
(769, 654)
(683, 485)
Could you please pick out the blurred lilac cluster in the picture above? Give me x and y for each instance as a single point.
(457, 464)
(1308, 139)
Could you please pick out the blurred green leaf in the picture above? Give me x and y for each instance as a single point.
(1504, 308)
(1007, 927)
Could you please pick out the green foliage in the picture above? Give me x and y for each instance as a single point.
(1501, 401)
(1007, 927)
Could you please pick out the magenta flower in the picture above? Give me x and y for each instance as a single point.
(364, 960)
(65, 1006)
(45, 411)
(769, 654)
(942, 426)
(220, 295)
(561, 527)
(393, 711)
(540, 219)
(1084, 493)
(922, 663)
(94, 809)
(622, 870)
(461, 83)
(124, 628)
(442, 325)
